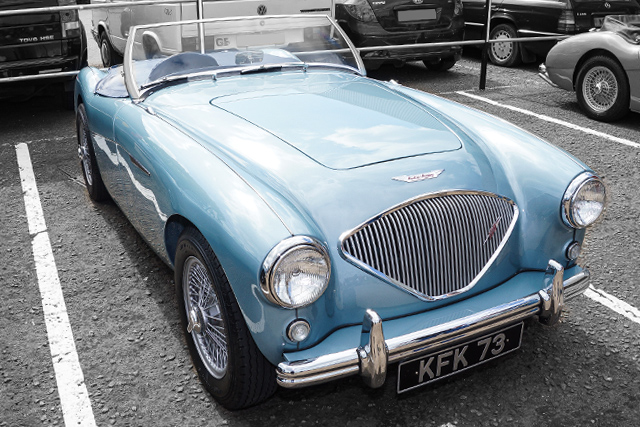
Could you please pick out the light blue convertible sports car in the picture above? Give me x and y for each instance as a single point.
(322, 224)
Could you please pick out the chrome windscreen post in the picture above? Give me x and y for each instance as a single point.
(553, 295)
(373, 352)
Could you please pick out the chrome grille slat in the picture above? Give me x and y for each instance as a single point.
(434, 246)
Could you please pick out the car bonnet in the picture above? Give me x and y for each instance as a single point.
(341, 122)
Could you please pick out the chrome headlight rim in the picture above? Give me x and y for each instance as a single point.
(570, 195)
(280, 252)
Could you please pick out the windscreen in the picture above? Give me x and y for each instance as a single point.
(218, 48)
(628, 26)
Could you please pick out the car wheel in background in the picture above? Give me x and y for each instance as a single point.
(227, 359)
(92, 179)
(504, 53)
(151, 48)
(602, 89)
(107, 52)
(441, 64)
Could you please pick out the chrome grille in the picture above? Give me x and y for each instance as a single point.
(435, 246)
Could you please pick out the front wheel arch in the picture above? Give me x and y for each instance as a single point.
(173, 228)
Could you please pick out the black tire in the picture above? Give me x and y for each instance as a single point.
(504, 54)
(108, 54)
(231, 367)
(603, 89)
(90, 172)
(441, 64)
(68, 98)
(151, 48)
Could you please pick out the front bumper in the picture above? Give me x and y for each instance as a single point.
(375, 353)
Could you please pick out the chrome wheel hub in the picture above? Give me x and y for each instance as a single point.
(196, 319)
(205, 323)
(504, 49)
(600, 88)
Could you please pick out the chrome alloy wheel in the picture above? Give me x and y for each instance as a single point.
(205, 323)
(84, 154)
(600, 88)
(504, 49)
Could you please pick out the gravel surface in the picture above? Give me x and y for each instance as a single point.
(120, 298)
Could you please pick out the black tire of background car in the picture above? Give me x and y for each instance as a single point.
(249, 378)
(150, 47)
(108, 54)
(68, 98)
(513, 58)
(443, 64)
(96, 189)
(620, 106)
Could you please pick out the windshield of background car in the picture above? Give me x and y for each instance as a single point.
(162, 54)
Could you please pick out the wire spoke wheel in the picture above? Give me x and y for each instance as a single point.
(85, 154)
(228, 362)
(205, 321)
(90, 171)
(600, 88)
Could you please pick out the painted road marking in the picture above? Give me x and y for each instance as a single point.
(620, 307)
(74, 399)
(552, 120)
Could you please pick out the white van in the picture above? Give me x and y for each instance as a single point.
(111, 25)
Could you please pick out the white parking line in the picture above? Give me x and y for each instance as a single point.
(553, 120)
(74, 399)
(620, 307)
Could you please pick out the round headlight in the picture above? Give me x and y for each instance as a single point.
(584, 200)
(296, 272)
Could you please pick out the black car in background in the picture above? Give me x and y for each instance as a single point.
(531, 18)
(382, 23)
(41, 43)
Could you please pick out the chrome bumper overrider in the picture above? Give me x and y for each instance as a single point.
(374, 354)
(542, 73)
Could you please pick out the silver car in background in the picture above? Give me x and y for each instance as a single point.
(602, 66)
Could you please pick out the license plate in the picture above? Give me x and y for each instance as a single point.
(435, 366)
(597, 21)
(249, 40)
(416, 15)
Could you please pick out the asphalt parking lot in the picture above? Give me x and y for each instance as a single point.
(119, 298)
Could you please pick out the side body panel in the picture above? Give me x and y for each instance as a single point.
(155, 172)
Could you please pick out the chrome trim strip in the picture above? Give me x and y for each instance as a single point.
(437, 252)
(139, 165)
(302, 373)
(541, 33)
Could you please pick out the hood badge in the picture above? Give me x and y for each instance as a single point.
(419, 177)
(492, 230)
